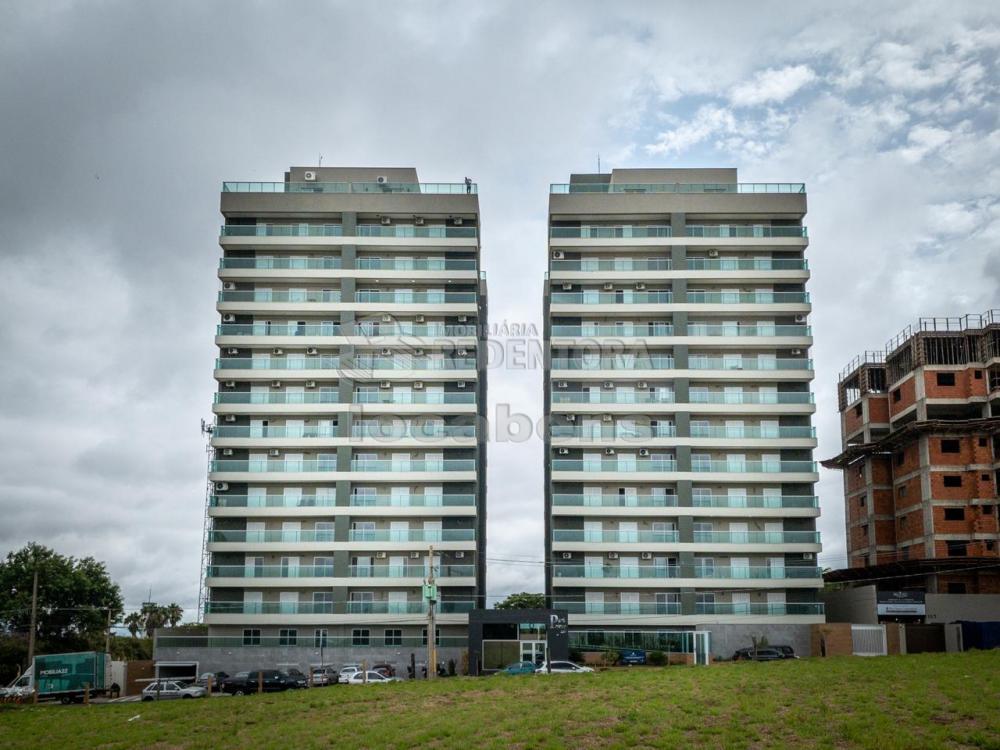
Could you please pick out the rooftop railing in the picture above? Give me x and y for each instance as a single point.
(426, 188)
(678, 187)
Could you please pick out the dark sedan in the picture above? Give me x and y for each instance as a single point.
(266, 680)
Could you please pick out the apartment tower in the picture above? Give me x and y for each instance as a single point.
(679, 481)
(346, 445)
(920, 422)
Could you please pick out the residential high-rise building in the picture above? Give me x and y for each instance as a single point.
(920, 423)
(348, 440)
(679, 482)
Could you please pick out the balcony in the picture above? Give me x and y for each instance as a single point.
(293, 296)
(426, 188)
(679, 187)
(278, 363)
(290, 465)
(612, 432)
(274, 431)
(703, 329)
(641, 465)
(411, 231)
(280, 264)
(420, 298)
(327, 608)
(620, 608)
(659, 396)
(411, 571)
(282, 230)
(412, 465)
(411, 535)
(279, 329)
(414, 363)
(748, 298)
(613, 264)
(751, 433)
(412, 501)
(698, 362)
(374, 329)
(624, 297)
(746, 264)
(326, 536)
(413, 397)
(603, 232)
(415, 264)
(697, 501)
(615, 536)
(753, 467)
(759, 608)
(744, 572)
(754, 501)
(756, 537)
(614, 501)
(417, 432)
(324, 396)
(750, 397)
(327, 571)
(621, 362)
(629, 330)
(742, 230)
(356, 501)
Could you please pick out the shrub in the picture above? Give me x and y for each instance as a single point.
(656, 658)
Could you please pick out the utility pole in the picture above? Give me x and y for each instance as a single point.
(430, 595)
(34, 616)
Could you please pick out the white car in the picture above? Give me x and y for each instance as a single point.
(358, 678)
(324, 676)
(168, 689)
(563, 667)
(347, 672)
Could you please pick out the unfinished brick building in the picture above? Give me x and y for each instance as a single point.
(920, 424)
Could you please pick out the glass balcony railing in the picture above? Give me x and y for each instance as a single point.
(411, 571)
(414, 329)
(278, 363)
(282, 230)
(746, 264)
(613, 264)
(322, 608)
(661, 396)
(412, 298)
(612, 432)
(292, 296)
(404, 465)
(327, 571)
(697, 501)
(281, 264)
(614, 501)
(759, 608)
(756, 537)
(732, 432)
(414, 363)
(411, 535)
(615, 535)
(416, 500)
(679, 187)
(749, 397)
(321, 396)
(263, 536)
(426, 188)
(412, 231)
(698, 362)
(748, 298)
(413, 397)
(753, 467)
(754, 501)
(416, 264)
(625, 297)
(742, 230)
(620, 608)
(286, 465)
(620, 362)
(603, 231)
(279, 329)
(417, 431)
(275, 431)
(622, 466)
(703, 329)
(743, 572)
(629, 330)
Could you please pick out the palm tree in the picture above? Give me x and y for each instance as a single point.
(174, 614)
(135, 622)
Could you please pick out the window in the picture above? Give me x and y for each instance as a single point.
(956, 587)
(902, 491)
(982, 442)
(858, 410)
(897, 395)
(957, 549)
(987, 510)
(861, 502)
(288, 637)
(864, 530)
(361, 636)
(951, 446)
(952, 480)
(990, 544)
(954, 514)
(437, 636)
(977, 374)
(900, 458)
(946, 378)
(321, 638)
(394, 637)
(251, 637)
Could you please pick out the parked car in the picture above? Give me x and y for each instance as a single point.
(370, 677)
(518, 667)
(761, 654)
(563, 667)
(630, 656)
(787, 652)
(347, 671)
(322, 676)
(270, 680)
(169, 689)
(217, 679)
(387, 669)
(301, 681)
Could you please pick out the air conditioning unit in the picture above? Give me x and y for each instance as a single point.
(414, 555)
(221, 486)
(562, 384)
(609, 287)
(276, 384)
(462, 352)
(418, 352)
(567, 287)
(796, 352)
(232, 352)
(386, 318)
(274, 452)
(800, 318)
(808, 556)
(382, 179)
(640, 286)
(571, 417)
(228, 318)
(457, 221)
(459, 555)
(606, 418)
(380, 555)
(462, 318)
(646, 555)
(227, 451)
(385, 384)
(309, 176)
(310, 384)
(385, 220)
(642, 384)
(421, 319)
(386, 352)
(461, 384)
(564, 451)
(312, 350)
(230, 384)
(609, 451)
(608, 385)
(644, 451)
(229, 418)
(567, 555)
(558, 255)
(229, 286)
(612, 555)
(713, 253)
(418, 221)
(277, 351)
(418, 385)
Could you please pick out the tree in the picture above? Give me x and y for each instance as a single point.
(174, 614)
(524, 600)
(134, 622)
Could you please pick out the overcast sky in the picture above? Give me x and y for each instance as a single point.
(120, 120)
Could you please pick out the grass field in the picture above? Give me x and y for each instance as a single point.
(925, 701)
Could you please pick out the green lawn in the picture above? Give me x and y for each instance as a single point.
(926, 701)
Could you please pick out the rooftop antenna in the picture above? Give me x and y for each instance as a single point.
(320, 160)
